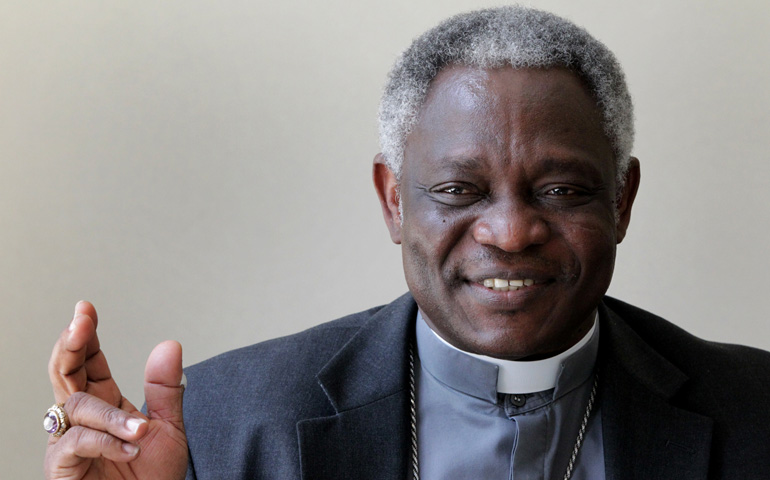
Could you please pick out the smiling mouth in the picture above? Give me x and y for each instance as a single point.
(503, 285)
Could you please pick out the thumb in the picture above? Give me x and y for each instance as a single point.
(162, 383)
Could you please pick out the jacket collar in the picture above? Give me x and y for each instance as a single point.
(635, 357)
(363, 372)
(367, 384)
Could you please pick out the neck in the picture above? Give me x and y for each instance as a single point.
(532, 375)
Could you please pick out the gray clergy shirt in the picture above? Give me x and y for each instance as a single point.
(467, 430)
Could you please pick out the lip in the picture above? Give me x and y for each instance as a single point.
(507, 300)
(538, 276)
(512, 299)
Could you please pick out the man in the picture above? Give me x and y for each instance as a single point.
(506, 176)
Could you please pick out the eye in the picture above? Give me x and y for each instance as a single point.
(560, 191)
(456, 193)
(567, 195)
(454, 190)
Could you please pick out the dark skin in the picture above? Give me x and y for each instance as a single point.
(509, 175)
(109, 438)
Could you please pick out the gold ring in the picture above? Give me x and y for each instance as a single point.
(55, 420)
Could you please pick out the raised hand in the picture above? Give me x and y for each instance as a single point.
(108, 437)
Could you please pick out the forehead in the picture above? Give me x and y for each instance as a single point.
(481, 90)
(508, 113)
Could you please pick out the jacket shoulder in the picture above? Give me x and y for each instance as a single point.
(730, 383)
(291, 357)
(241, 407)
(689, 352)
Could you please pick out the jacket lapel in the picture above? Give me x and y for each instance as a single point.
(645, 435)
(366, 383)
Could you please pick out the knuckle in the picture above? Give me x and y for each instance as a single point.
(71, 441)
(104, 442)
(75, 402)
(113, 416)
(91, 443)
(85, 440)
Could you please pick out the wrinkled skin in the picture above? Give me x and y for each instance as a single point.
(508, 174)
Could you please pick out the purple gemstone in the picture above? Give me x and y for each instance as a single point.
(50, 422)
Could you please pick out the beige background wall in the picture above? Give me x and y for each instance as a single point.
(200, 171)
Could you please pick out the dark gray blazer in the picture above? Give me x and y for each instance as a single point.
(331, 402)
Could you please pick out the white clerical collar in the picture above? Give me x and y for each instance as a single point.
(529, 376)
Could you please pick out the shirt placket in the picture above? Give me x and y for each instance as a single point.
(529, 414)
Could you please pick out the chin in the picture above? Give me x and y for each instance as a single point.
(524, 340)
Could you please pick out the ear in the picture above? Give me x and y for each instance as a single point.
(386, 184)
(627, 196)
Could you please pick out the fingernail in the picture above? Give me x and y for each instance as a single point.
(133, 424)
(72, 323)
(130, 449)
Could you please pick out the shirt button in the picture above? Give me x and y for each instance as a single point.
(518, 400)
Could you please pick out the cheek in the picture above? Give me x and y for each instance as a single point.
(592, 241)
(423, 249)
(415, 259)
(431, 239)
(422, 274)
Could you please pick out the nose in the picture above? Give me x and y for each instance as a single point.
(511, 227)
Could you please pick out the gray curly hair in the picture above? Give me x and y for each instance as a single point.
(517, 36)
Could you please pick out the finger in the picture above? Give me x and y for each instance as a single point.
(77, 362)
(162, 383)
(82, 331)
(96, 363)
(88, 309)
(81, 442)
(67, 365)
(96, 414)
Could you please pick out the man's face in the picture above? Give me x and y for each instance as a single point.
(508, 179)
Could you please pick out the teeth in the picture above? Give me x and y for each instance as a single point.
(502, 285)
